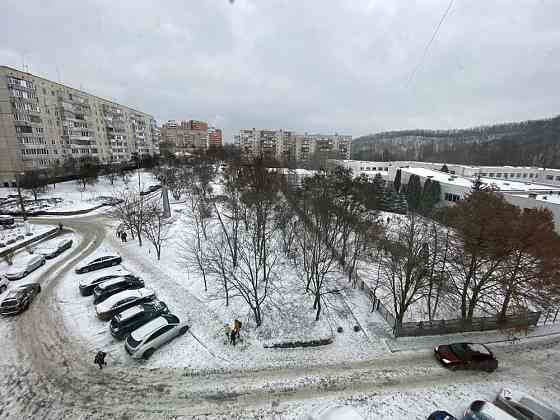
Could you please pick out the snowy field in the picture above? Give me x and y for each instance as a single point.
(69, 196)
(289, 316)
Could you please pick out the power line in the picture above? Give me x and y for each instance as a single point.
(413, 74)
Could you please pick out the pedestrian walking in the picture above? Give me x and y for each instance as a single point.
(100, 359)
(60, 226)
(123, 237)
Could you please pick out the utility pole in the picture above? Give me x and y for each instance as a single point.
(20, 197)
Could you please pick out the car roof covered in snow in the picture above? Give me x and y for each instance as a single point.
(110, 282)
(146, 329)
(116, 298)
(130, 313)
(111, 271)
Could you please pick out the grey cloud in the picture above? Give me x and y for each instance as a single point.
(311, 66)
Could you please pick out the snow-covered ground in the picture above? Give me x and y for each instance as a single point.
(21, 232)
(69, 196)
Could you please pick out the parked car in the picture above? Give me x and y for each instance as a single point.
(18, 300)
(133, 318)
(52, 249)
(6, 220)
(99, 263)
(24, 266)
(484, 410)
(441, 415)
(87, 284)
(334, 412)
(142, 342)
(121, 301)
(3, 284)
(109, 287)
(466, 356)
(525, 407)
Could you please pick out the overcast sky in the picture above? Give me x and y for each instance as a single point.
(317, 66)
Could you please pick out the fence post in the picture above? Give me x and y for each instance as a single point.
(556, 314)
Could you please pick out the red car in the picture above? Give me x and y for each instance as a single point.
(466, 356)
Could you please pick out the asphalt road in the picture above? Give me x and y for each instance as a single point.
(48, 374)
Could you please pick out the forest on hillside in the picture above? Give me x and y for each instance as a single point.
(527, 143)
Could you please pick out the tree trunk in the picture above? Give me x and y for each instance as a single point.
(318, 302)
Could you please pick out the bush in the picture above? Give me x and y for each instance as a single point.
(357, 328)
(340, 329)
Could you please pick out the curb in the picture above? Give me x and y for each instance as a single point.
(299, 344)
(55, 213)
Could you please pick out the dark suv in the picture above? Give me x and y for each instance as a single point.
(132, 318)
(18, 300)
(108, 288)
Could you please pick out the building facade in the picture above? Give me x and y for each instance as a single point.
(43, 123)
(286, 146)
(215, 137)
(185, 137)
(524, 187)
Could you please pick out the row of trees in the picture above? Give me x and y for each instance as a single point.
(484, 254)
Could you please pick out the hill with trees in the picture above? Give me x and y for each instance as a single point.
(527, 143)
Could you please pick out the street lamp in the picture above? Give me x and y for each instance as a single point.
(20, 196)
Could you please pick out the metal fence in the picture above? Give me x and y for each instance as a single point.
(551, 316)
(450, 326)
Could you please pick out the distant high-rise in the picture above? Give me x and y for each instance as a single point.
(187, 137)
(43, 123)
(286, 146)
(214, 137)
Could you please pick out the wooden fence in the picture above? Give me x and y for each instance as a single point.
(450, 326)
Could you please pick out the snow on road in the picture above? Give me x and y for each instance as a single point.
(47, 371)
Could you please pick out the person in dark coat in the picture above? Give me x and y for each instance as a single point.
(123, 236)
(100, 359)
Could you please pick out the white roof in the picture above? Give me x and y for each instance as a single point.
(148, 328)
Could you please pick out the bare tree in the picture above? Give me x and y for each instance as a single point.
(404, 263)
(34, 182)
(482, 225)
(155, 226)
(129, 210)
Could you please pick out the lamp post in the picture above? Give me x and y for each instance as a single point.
(20, 196)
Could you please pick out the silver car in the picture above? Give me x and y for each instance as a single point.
(142, 343)
(484, 410)
(121, 301)
(53, 248)
(524, 407)
(25, 266)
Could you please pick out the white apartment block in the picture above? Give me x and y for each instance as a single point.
(43, 122)
(284, 145)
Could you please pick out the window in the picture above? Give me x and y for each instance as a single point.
(530, 175)
(498, 175)
(524, 175)
(549, 177)
(491, 174)
(558, 178)
(518, 175)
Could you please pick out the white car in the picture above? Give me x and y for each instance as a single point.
(142, 343)
(121, 301)
(53, 248)
(25, 266)
(3, 284)
(523, 406)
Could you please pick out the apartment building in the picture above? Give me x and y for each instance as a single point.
(44, 122)
(185, 137)
(215, 137)
(286, 146)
